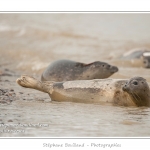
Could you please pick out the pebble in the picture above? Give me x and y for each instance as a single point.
(21, 92)
(3, 102)
(10, 120)
(7, 95)
(7, 81)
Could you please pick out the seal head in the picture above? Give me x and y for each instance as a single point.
(146, 59)
(105, 67)
(101, 69)
(138, 89)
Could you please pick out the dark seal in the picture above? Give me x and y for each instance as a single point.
(138, 57)
(66, 70)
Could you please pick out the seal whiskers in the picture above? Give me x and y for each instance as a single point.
(138, 97)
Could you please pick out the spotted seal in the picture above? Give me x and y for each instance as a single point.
(65, 70)
(132, 92)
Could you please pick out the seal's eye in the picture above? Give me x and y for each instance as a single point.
(135, 83)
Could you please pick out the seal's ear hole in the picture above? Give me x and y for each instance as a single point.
(103, 65)
(135, 83)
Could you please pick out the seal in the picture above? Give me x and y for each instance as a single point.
(137, 57)
(146, 59)
(132, 92)
(67, 70)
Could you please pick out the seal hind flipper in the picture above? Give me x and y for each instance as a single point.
(30, 82)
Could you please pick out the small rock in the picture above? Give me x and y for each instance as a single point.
(7, 81)
(3, 102)
(6, 69)
(10, 99)
(10, 120)
(5, 98)
(21, 92)
(6, 94)
(6, 74)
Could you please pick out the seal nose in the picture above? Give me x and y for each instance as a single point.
(114, 69)
(124, 88)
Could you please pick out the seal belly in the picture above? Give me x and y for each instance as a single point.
(85, 91)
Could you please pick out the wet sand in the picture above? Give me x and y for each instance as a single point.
(29, 42)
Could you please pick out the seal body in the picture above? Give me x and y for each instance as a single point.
(134, 54)
(67, 70)
(92, 91)
(133, 92)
